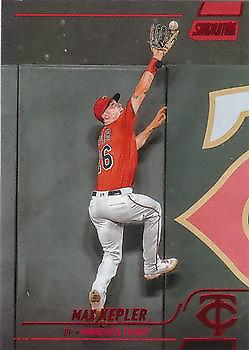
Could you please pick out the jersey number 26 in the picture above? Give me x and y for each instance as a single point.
(105, 159)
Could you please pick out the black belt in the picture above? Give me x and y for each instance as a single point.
(110, 193)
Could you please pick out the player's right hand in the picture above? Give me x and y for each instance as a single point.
(160, 117)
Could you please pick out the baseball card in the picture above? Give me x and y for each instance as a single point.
(124, 172)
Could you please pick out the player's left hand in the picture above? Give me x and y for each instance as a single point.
(162, 39)
(160, 117)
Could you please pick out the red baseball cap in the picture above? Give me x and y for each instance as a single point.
(102, 103)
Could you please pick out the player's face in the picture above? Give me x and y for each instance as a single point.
(112, 112)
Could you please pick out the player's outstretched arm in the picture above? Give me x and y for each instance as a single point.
(156, 122)
(147, 78)
(145, 81)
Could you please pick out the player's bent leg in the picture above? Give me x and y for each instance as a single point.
(147, 210)
(152, 236)
(151, 213)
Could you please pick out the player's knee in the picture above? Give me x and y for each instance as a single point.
(117, 257)
(155, 213)
(158, 208)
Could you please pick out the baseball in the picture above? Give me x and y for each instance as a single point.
(173, 25)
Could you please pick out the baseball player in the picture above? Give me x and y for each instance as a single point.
(113, 203)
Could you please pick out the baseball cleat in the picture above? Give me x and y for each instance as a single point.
(96, 302)
(164, 266)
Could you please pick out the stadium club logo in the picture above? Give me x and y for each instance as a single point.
(214, 30)
(217, 29)
(220, 217)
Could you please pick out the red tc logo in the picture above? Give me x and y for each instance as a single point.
(217, 305)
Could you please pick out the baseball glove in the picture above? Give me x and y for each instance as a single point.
(161, 38)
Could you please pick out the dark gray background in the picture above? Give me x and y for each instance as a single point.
(8, 200)
(110, 40)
